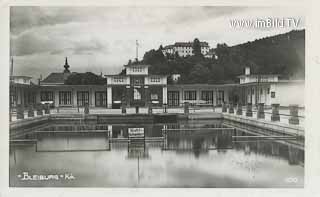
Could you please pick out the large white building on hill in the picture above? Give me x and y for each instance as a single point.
(185, 48)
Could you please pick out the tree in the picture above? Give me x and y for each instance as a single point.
(199, 74)
(123, 72)
(271, 55)
(196, 47)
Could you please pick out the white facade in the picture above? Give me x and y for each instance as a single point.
(288, 93)
(137, 70)
(118, 80)
(258, 78)
(284, 93)
(175, 77)
(21, 80)
(155, 80)
(185, 48)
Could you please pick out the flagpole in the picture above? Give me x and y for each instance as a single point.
(137, 44)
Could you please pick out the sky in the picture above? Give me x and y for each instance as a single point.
(103, 39)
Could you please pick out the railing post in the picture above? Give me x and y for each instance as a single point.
(294, 113)
(165, 108)
(249, 110)
(224, 107)
(231, 109)
(30, 111)
(150, 108)
(239, 109)
(260, 113)
(39, 109)
(137, 109)
(86, 108)
(123, 108)
(293, 155)
(186, 108)
(275, 112)
(20, 111)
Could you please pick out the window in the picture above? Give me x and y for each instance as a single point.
(207, 96)
(100, 99)
(137, 69)
(137, 80)
(154, 97)
(46, 96)
(29, 98)
(65, 98)
(82, 98)
(155, 79)
(118, 79)
(273, 95)
(220, 98)
(190, 95)
(136, 94)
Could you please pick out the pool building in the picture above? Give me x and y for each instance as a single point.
(136, 87)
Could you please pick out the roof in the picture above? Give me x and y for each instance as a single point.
(56, 78)
(116, 75)
(168, 47)
(273, 82)
(31, 85)
(291, 81)
(196, 86)
(135, 64)
(257, 75)
(21, 76)
(189, 44)
(151, 75)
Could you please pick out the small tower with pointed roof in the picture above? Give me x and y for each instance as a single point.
(66, 66)
(66, 72)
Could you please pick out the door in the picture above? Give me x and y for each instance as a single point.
(82, 98)
(173, 98)
(100, 99)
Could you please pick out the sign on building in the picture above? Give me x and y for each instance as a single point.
(136, 132)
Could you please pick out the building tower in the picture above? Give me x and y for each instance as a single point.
(66, 66)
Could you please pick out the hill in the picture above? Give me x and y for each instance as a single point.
(282, 54)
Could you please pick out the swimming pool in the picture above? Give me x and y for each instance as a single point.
(183, 154)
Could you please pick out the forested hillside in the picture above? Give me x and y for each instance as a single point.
(282, 54)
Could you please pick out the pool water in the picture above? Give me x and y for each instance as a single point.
(187, 155)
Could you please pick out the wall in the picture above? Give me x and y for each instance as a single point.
(22, 81)
(149, 80)
(137, 70)
(199, 88)
(289, 93)
(74, 89)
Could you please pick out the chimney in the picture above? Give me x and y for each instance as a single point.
(247, 71)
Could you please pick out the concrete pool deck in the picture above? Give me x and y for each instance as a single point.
(282, 126)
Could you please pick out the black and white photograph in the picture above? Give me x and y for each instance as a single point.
(157, 97)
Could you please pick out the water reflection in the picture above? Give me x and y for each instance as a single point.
(180, 157)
